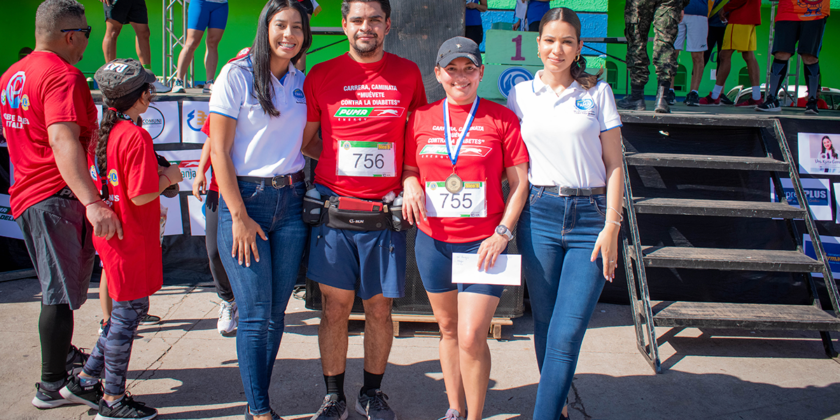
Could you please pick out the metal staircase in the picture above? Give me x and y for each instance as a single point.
(640, 257)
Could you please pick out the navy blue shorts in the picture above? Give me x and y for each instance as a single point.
(434, 261)
(369, 262)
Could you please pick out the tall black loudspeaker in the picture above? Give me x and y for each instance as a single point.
(418, 28)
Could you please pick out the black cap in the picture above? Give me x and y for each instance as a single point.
(457, 47)
(121, 77)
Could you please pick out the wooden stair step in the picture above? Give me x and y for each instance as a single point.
(742, 315)
(727, 208)
(728, 259)
(746, 163)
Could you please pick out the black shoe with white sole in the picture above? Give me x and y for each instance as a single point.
(45, 399)
(76, 392)
(126, 408)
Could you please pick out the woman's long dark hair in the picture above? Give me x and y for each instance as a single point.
(109, 119)
(832, 153)
(578, 69)
(261, 51)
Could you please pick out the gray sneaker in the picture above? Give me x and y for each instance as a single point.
(374, 407)
(331, 409)
(452, 414)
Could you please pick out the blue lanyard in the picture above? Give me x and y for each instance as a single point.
(467, 125)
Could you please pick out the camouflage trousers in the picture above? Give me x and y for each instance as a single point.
(113, 349)
(664, 16)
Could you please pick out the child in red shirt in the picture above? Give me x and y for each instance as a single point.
(124, 157)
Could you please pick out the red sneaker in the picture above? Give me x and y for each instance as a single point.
(750, 102)
(708, 101)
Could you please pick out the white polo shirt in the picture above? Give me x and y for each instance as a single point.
(562, 132)
(263, 146)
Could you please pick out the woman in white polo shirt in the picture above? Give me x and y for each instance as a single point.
(568, 231)
(256, 150)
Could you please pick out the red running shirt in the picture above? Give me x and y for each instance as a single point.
(38, 91)
(493, 143)
(803, 10)
(362, 102)
(213, 186)
(134, 265)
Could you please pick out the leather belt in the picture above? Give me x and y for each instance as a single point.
(277, 182)
(571, 192)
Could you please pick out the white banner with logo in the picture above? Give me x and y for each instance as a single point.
(8, 227)
(197, 215)
(818, 192)
(193, 116)
(162, 122)
(174, 226)
(187, 160)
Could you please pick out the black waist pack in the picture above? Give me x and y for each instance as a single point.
(352, 214)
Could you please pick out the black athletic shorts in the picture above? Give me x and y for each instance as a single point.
(127, 11)
(808, 33)
(474, 32)
(714, 39)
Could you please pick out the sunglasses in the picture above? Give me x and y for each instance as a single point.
(85, 31)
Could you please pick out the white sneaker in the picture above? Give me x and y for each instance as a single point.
(228, 317)
(161, 88)
(208, 88)
(178, 86)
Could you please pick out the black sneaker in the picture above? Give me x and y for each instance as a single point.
(45, 399)
(150, 320)
(76, 358)
(811, 107)
(126, 408)
(672, 97)
(249, 416)
(771, 104)
(725, 100)
(693, 99)
(331, 409)
(89, 395)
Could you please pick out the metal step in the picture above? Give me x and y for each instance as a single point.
(745, 163)
(742, 315)
(690, 207)
(728, 259)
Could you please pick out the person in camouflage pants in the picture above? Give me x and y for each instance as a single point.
(664, 16)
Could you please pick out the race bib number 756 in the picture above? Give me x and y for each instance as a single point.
(469, 202)
(365, 158)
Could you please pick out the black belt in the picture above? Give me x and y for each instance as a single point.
(277, 182)
(567, 191)
(66, 193)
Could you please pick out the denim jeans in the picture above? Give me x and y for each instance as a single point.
(262, 290)
(556, 236)
(113, 349)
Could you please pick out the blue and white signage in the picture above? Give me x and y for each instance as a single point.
(818, 192)
(510, 77)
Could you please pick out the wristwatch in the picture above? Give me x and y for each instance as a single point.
(504, 231)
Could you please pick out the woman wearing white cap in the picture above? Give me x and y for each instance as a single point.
(568, 231)
(456, 152)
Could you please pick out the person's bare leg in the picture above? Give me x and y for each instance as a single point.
(725, 64)
(141, 43)
(697, 69)
(379, 333)
(332, 332)
(109, 41)
(475, 312)
(105, 302)
(445, 308)
(188, 52)
(752, 67)
(211, 57)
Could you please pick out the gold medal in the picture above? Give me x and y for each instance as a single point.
(454, 184)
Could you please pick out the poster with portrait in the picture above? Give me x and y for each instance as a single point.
(818, 192)
(819, 153)
(831, 246)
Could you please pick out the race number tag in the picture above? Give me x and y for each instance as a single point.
(469, 202)
(365, 158)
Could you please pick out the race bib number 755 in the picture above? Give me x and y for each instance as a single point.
(365, 158)
(469, 202)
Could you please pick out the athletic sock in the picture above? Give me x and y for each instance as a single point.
(672, 89)
(716, 91)
(372, 382)
(778, 71)
(756, 93)
(695, 91)
(87, 381)
(812, 77)
(335, 385)
(113, 403)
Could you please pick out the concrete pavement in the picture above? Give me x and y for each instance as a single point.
(187, 370)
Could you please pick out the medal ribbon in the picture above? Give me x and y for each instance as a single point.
(464, 131)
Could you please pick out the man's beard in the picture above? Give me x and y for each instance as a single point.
(367, 50)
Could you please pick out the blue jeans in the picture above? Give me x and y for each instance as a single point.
(556, 236)
(262, 290)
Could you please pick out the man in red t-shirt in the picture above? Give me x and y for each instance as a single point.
(49, 118)
(802, 22)
(360, 102)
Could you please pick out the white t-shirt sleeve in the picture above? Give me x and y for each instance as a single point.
(513, 105)
(229, 91)
(608, 116)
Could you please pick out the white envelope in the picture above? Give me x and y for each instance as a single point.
(507, 271)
